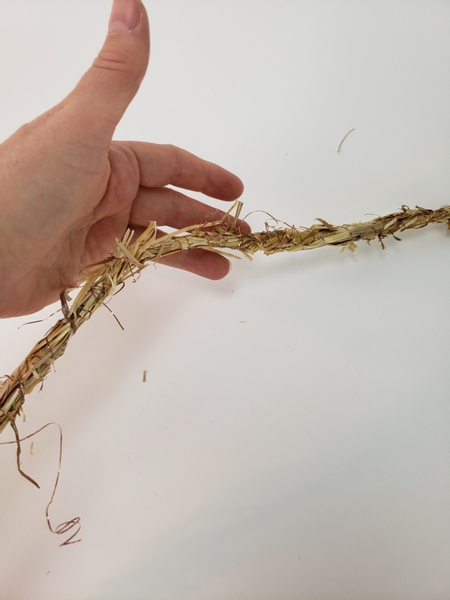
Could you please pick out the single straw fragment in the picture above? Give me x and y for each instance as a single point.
(344, 138)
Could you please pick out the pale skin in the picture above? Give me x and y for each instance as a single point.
(68, 191)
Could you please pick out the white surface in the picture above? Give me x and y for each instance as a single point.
(305, 452)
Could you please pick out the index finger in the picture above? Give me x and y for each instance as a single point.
(163, 164)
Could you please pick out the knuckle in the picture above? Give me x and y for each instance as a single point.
(113, 61)
(177, 166)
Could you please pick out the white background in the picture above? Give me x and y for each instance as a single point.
(292, 439)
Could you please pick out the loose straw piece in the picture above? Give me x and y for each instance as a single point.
(99, 282)
(344, 138)
(67, 526)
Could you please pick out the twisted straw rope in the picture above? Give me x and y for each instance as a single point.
(100, 281)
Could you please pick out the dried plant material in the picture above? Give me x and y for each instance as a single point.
(100, 281)
(344, 138)
(18, 453)
(144, 377)
(67, 526)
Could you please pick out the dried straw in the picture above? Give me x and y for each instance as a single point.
(100, 281)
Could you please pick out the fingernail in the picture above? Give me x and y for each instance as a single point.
(125, 16)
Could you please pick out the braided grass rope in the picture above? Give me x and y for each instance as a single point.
(100, 281)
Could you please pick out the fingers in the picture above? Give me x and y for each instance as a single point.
(199, 262)
(167, 165)
(171, 208)
(162, 165)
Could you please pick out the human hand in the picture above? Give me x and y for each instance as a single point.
(68, 191)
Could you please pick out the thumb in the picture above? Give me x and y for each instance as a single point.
(107, 88)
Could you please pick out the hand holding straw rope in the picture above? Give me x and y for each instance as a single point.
(73, 197)
(68, 190)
